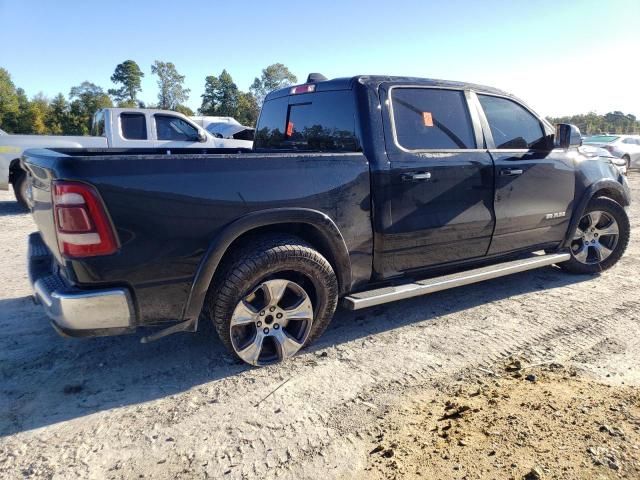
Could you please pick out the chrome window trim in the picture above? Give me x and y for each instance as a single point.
(432, 150)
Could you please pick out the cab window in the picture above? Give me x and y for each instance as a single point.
(134, 126)
(431, 119)
(512, 126)
(321, 121)
(174, 128)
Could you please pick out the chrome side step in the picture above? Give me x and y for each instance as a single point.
(371, 298)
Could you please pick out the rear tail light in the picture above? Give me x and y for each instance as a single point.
(302, 89)
(82, 224)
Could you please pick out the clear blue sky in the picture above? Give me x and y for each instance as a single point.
(562, 57)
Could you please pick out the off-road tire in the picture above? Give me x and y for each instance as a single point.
(614, 209)
(266, 258)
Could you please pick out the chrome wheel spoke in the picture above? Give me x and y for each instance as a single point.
(275, 290)
(582, 254)
(302, 311)
(602, 252)
(251, 353)
(594, 218)
(611, 229)
(244, 314)
(579, 234)
(287, 346)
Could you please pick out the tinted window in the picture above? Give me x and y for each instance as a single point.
(134, 126)
(174, 128)
(512, 126)
(431, 119)
(323, 121)
(629, 141)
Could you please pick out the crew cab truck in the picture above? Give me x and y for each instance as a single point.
(363, 190)
(111, 128)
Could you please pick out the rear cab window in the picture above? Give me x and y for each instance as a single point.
(431, 119)
(133, 126)
(318, 122)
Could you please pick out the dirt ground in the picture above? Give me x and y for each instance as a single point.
(373, 399)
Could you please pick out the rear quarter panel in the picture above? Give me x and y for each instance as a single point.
(167, 210)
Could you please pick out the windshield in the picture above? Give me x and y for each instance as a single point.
(601, 139)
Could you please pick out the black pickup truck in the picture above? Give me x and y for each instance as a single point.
(366, 190)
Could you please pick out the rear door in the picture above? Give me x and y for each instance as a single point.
(535, 183)
(439, 198)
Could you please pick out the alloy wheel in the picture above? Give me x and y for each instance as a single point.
(271, 323)
(596, 237)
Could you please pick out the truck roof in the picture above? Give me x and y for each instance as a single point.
(374, 81)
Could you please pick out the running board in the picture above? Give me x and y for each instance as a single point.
(371, 298)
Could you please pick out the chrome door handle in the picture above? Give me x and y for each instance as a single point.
(511, 172)
(416, 176)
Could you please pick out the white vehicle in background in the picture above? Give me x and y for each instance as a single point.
(626, 147)
(112, 128)
(205, 120)
(235, 131)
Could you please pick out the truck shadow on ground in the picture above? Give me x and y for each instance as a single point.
(11, 208)
(46, 379)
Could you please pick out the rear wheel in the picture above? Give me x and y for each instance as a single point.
(21, 189)
(272, 298)
(600, 239)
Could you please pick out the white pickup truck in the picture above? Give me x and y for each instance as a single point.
(112, 128)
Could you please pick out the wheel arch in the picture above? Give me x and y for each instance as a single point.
(311, 225)
(605, 188)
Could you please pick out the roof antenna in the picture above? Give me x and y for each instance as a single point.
(316, 77)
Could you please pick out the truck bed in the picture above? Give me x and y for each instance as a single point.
(168, 206)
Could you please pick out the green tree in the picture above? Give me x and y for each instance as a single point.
(86, 99)
(248, 109)
(129, 76)
(220, 96)
(24, 118)
(57, 119)
(591, 123)
(9, 107)
(36, 115)
(273, 77)
(183, 109)
(171, 85)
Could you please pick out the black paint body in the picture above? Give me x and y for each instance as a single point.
(176, 214)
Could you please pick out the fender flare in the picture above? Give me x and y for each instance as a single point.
(262, 218)
(584, 201)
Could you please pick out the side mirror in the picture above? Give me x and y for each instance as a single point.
(202, 137)
(567, 136)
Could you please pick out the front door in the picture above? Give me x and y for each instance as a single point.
(174, 132)
(439, 195)
(534, 182)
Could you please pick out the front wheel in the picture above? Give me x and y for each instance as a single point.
(600, 239)
(272, 298)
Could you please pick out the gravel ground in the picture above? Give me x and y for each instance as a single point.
(181, 408)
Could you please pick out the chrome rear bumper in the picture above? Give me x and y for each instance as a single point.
(74, 311)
